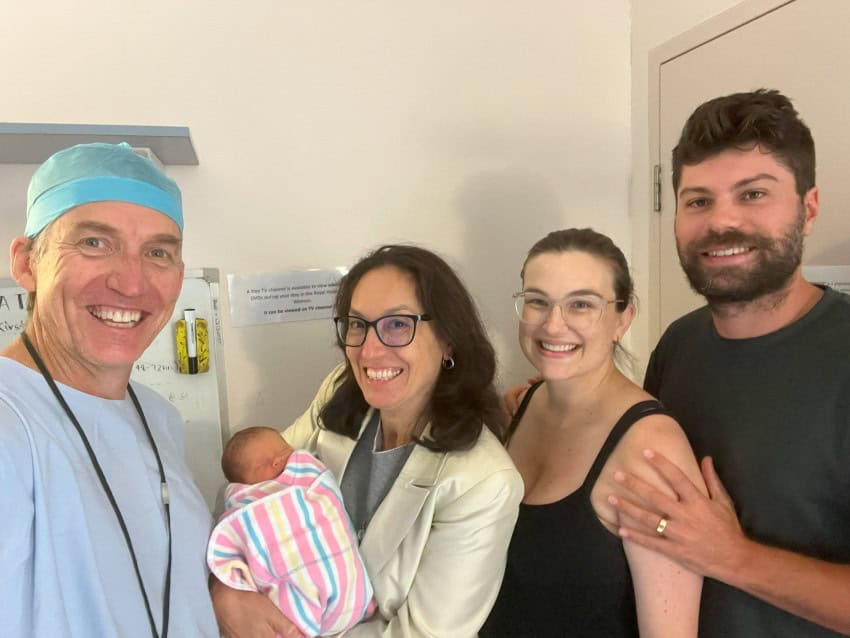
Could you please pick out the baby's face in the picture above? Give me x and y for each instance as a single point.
(265, 457)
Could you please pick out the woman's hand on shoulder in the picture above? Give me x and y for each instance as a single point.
(513, 395)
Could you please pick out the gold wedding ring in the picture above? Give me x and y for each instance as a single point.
(662, 525)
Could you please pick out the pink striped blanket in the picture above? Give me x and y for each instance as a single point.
(291, 539)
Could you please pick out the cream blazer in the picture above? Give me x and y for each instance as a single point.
(437, 545)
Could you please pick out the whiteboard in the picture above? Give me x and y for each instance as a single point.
(200, 398)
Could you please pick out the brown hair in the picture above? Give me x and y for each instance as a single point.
(764, 118)
(589, 241)
(464, 398)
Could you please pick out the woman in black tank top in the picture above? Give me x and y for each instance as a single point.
(568, 572)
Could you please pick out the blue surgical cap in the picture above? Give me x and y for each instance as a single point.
(98, 173)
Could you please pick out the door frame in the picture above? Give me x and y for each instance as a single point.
(713, 28)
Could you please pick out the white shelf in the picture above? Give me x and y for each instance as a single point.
(22, 143)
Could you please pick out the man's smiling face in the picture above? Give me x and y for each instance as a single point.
(740, 225)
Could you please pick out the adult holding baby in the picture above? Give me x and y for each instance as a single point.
(410, 424)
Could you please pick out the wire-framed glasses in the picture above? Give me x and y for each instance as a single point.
(395, 331)
(578, 311)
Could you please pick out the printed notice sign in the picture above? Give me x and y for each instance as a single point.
(297, 295)
(13, 311)
(837, 277)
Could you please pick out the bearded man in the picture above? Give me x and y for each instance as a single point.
(759, 379)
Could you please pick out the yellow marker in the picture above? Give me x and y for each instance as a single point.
(192, 360)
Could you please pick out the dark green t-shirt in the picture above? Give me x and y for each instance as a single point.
(774, 413)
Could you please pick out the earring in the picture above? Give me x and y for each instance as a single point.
(448, 363)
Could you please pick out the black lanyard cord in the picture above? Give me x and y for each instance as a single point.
(105, 484)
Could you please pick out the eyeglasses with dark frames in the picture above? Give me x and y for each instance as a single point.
(395, 331)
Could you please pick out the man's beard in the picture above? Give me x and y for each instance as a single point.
(775, 263)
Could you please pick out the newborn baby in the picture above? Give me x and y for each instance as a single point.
(285, 533)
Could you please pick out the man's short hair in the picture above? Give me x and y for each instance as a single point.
(35, 247)
(763, 118)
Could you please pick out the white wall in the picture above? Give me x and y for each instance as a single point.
(326, 128)
(654, 22)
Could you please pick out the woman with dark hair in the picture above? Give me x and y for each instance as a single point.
(568, 573)
(411, 426)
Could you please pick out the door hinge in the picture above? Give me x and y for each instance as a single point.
(656, 188)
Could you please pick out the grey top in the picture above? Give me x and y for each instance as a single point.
(370, 474)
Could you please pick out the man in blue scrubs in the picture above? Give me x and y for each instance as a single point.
(105, 532)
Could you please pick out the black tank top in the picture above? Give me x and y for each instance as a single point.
(567, 575)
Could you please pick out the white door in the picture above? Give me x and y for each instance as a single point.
(801, 48)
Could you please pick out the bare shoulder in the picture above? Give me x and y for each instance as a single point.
(659, 433)
(662, 434)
